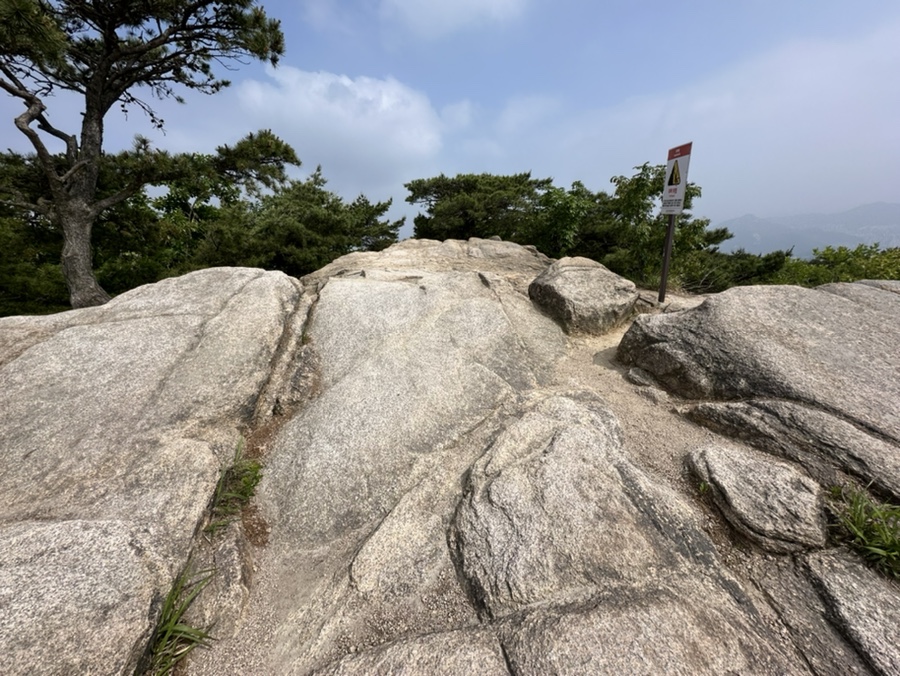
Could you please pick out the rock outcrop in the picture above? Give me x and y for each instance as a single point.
(810, 375)
(115, 422)
(456, 479)
(807, 373)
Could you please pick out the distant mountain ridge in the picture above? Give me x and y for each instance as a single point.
(867, 224)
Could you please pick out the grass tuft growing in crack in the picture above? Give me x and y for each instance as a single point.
(174, 638)
(237, 484)
(873, 527)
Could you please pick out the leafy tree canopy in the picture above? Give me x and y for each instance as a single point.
(476, 205)
(213, 212)
(629, 238)
(29, 32)
(624, 231)
(297, 229)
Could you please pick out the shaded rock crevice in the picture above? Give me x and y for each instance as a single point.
(510, 666)
(291, 365)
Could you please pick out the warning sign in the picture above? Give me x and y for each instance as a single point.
(675, 176)
(676, 179)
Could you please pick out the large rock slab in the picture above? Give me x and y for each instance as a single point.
(76, 595)
(786, 342)
(584, 296)
(807, 619)
(693, 629)
(591, 566)
(423, 351)
(881, 295)
(437, 486)
(810, 375)
(115, 424)
(562, 463)
(475, 651)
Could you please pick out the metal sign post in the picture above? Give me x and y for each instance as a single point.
(673, 203)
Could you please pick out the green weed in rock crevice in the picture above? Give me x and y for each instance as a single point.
(873, 528)
(237, 484)
(173, 638)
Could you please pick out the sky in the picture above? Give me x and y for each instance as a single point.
(793, 106)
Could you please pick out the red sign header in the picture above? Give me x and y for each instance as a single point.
(680, 151)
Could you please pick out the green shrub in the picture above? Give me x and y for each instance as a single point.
(873, 528)
(841, 264)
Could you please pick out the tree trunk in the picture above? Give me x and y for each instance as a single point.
(84, 291)
(77, 209)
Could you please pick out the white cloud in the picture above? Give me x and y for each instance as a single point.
(319, 13)
(435, 18)
(364, 131)
(327, 15)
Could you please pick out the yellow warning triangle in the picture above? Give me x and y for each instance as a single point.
(675, 176)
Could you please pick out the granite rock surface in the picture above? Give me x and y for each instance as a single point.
(456, 479)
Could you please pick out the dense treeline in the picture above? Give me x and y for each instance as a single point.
(624, 231)
(212, 214)
(205, 218)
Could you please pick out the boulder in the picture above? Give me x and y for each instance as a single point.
(769, 502)
(584, 296)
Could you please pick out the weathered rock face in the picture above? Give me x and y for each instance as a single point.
(452, 485)
(568, 544)
(816, 376)
(810, 346)
(816, 370)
